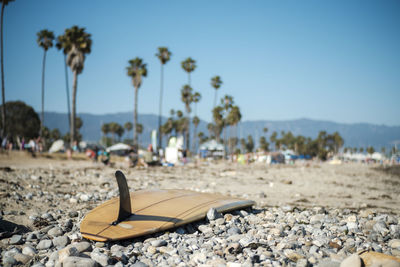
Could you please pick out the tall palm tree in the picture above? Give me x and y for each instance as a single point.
(77, 44)
(45, 40)
(164, 55)
(189, 65)
(196, 99)
(128, 126)
(3, 97)
(234, 118)
(187, 98)
(62, 44)
(136, 70)
(216, 82)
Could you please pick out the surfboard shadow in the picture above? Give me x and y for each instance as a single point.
(139, 217)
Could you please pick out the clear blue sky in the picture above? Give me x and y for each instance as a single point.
(329, 60)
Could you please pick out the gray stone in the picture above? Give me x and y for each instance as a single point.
(9, 261)
(100, 258)
(158, 243)
(55, 231)
(16, 240)
(73, 261)
(234, 231)
(38, 264)
(213, 214)
(139, 264)
(30, 251)
(381, 228)
(60, 241)
(82, 246)
(44, 244)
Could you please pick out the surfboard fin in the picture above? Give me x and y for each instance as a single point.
(124, 198)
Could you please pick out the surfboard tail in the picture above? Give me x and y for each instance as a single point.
(124, 198)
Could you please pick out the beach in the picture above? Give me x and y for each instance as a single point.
(45, 192)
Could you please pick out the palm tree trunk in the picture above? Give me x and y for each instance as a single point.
(3, 113)
(67, 89)
(135, 136)
(160, 111)
(73, 114)
(215, 98)
(43, 72)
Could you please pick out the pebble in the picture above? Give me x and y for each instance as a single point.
(22, 258)
(213, 214)
(54, 232)
(44, 244)
(16, 240)
(78, 261)
(159, 243)
(100, 258)
(61, 241)
(273, 236)
(30, 251)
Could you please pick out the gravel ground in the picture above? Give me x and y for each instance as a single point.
(306, 215)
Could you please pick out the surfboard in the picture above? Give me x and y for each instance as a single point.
(144, 212)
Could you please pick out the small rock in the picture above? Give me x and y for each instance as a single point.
(381, 228)
(139, 264)
(60, 241)
(233, 248)
(99, 244)
(151, 250)
(352, 261)
(22, 258)
(101, 258)
(158, 243)
(67, 252)
(82, 246)
(44, 244)
(213, 214)
(234, 231)
(30, 251)
(16, 240)
(54, 232)
(78, 261)
(73, 214)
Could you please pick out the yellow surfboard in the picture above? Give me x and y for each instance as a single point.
(148, 211)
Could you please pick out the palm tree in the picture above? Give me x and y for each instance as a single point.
(3, 97)
(164, 56)
(62, 43)
(45, 40)
(136, 70)
(233, 118)
(189, 65)
(196, 121)
(77, 44)
(196, 99)
(216, 82)
(139, 130)
(128, 126)
(187, 98)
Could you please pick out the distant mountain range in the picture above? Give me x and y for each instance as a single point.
(354, 135)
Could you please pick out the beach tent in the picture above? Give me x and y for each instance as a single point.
(57, 146)
(118, 147)
(211, 149)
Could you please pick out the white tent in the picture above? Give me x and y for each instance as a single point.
(212, 145)
(57, 146)
(118, 147)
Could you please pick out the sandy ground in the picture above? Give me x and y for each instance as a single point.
(350, 185)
